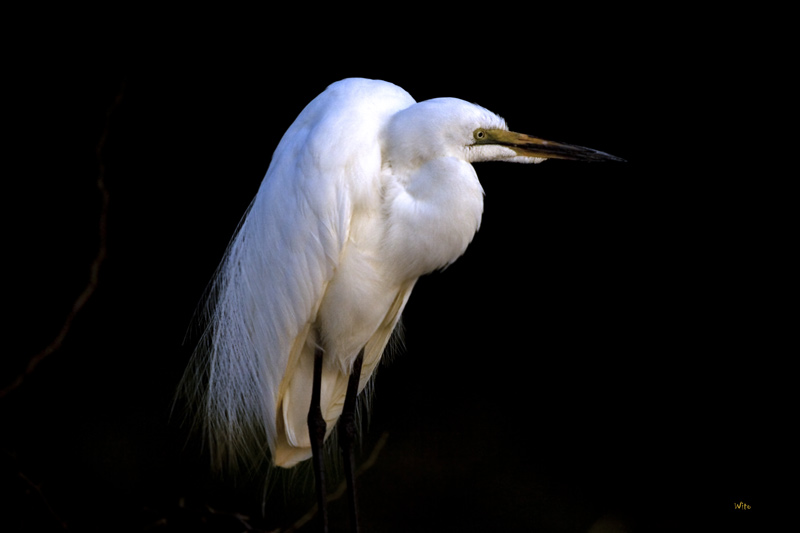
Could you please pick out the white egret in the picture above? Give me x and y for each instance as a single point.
(367, 191)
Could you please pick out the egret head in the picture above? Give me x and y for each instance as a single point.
(449, 127)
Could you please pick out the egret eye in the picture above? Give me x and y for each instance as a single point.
(479, 135)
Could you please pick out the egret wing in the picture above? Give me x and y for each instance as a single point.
(269, 287)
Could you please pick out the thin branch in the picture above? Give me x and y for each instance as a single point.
(241, 518)
(94, 271)
(43, 498)
(37, 488)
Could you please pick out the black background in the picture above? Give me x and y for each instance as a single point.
(609, 345)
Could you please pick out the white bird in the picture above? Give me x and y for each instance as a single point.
(367, 191)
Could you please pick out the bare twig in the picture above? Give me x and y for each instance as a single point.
(241, 518)
(94, 272)
(37, 488)
(43, 498)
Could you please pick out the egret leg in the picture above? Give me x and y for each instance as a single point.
(347, 434)
(316, 432)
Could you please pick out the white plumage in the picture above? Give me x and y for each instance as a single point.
(366, 192)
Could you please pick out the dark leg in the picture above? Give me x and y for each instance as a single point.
(347, 434)
(316, 431)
